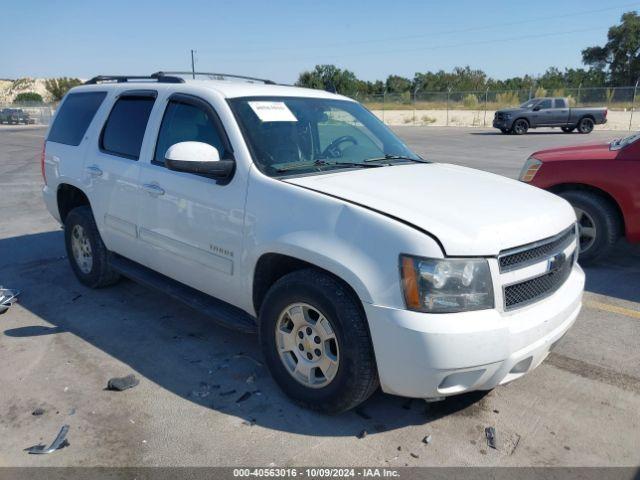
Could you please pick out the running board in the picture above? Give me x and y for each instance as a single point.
(221, 312)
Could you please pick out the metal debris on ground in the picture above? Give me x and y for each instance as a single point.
(122, 383)
(490, 433)
(427, 439)
(414, 455)
(362, 434)
(248, 357)
(37, 412)
(243, 397)
(59, 442)
(7, 298)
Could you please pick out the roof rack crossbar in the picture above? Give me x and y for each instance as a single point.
(212, 74)
(128, 78)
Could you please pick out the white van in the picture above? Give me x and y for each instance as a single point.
(296, 213)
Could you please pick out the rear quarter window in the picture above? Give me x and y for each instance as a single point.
(123, 133)
(74, 117)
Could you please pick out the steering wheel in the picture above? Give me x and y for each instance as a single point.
(333, 149)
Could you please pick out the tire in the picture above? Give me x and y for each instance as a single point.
(585, 125)
(567, 129)
(353, 377)
(89, 260)
(598, 214)
(520, 126)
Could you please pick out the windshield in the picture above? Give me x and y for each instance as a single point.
(619, 143)
(300, 135)
(530, 103)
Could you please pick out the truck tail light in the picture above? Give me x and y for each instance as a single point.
(42, 155)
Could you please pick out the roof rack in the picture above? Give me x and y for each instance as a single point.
(127, 78)
(216, 76)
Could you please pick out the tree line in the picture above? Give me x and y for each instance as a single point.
(616, 63)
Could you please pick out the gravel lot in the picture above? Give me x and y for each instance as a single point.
(62, 342)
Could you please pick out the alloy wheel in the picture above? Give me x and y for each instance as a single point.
(307, 345)
(81, 249)
(586, 229)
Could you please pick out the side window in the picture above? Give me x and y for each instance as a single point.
(545, 104)
(123, 132)
(560, 103)
(74, 117)
(183, 122)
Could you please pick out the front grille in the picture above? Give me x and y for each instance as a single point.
(535, 252)
(534, 289)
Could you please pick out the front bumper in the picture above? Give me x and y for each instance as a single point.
(434, 355)
(502, 124)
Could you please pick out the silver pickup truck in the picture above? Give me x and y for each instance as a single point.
(548, 112)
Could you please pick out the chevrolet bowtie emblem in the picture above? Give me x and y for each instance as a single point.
(555, 263)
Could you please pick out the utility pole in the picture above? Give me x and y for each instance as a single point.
(633, 103)
(193, 65)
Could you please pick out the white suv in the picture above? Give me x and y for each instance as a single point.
(298, 214)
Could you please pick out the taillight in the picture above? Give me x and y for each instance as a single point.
(42, 155)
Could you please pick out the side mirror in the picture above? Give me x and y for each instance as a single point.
(536, 108)
(197, 157)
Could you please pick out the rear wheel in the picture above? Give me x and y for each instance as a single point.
(316, 343)
(598, 224)
(567, 129)
(520, 126)
(586, 125)
(87, 253)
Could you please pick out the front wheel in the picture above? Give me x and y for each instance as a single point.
(520, 126)
(586, 125)
(316, 343)
(598, 224)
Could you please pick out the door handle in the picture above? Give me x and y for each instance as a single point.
(94, 171)
(153, 189)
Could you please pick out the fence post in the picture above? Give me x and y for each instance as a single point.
(578, 97)
(415, 99)
(486, 97)
(633, 103)
(448, 93)
(384, 103)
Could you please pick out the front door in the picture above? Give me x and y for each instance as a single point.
(191, 225)
(544, 115)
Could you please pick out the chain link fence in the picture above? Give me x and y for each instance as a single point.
(477, 108)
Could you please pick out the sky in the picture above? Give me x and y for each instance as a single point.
(278, 39)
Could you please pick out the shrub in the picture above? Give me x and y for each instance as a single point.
(540, 92)
(58, 87)
(470, 101)
(28, 97)
(507, 98)
(427, 119)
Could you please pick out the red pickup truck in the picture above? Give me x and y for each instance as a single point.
(601, 181)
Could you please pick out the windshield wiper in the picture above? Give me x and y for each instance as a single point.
(324, 163)
(395, 157)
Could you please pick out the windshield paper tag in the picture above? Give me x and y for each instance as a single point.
(272, 112)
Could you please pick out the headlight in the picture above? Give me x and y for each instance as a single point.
(446, 285)
(529, 170)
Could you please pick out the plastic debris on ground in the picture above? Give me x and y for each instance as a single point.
(7, 298)
(122, 383)
(59, 442)
(490, 433)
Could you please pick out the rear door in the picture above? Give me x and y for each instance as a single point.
(112, 170)
(191, 225)
(560, 115)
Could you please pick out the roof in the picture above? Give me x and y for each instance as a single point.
(231, 88)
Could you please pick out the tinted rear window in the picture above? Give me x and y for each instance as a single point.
(74, 117)
(124, 131)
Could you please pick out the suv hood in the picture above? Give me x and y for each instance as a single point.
(469, 211)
